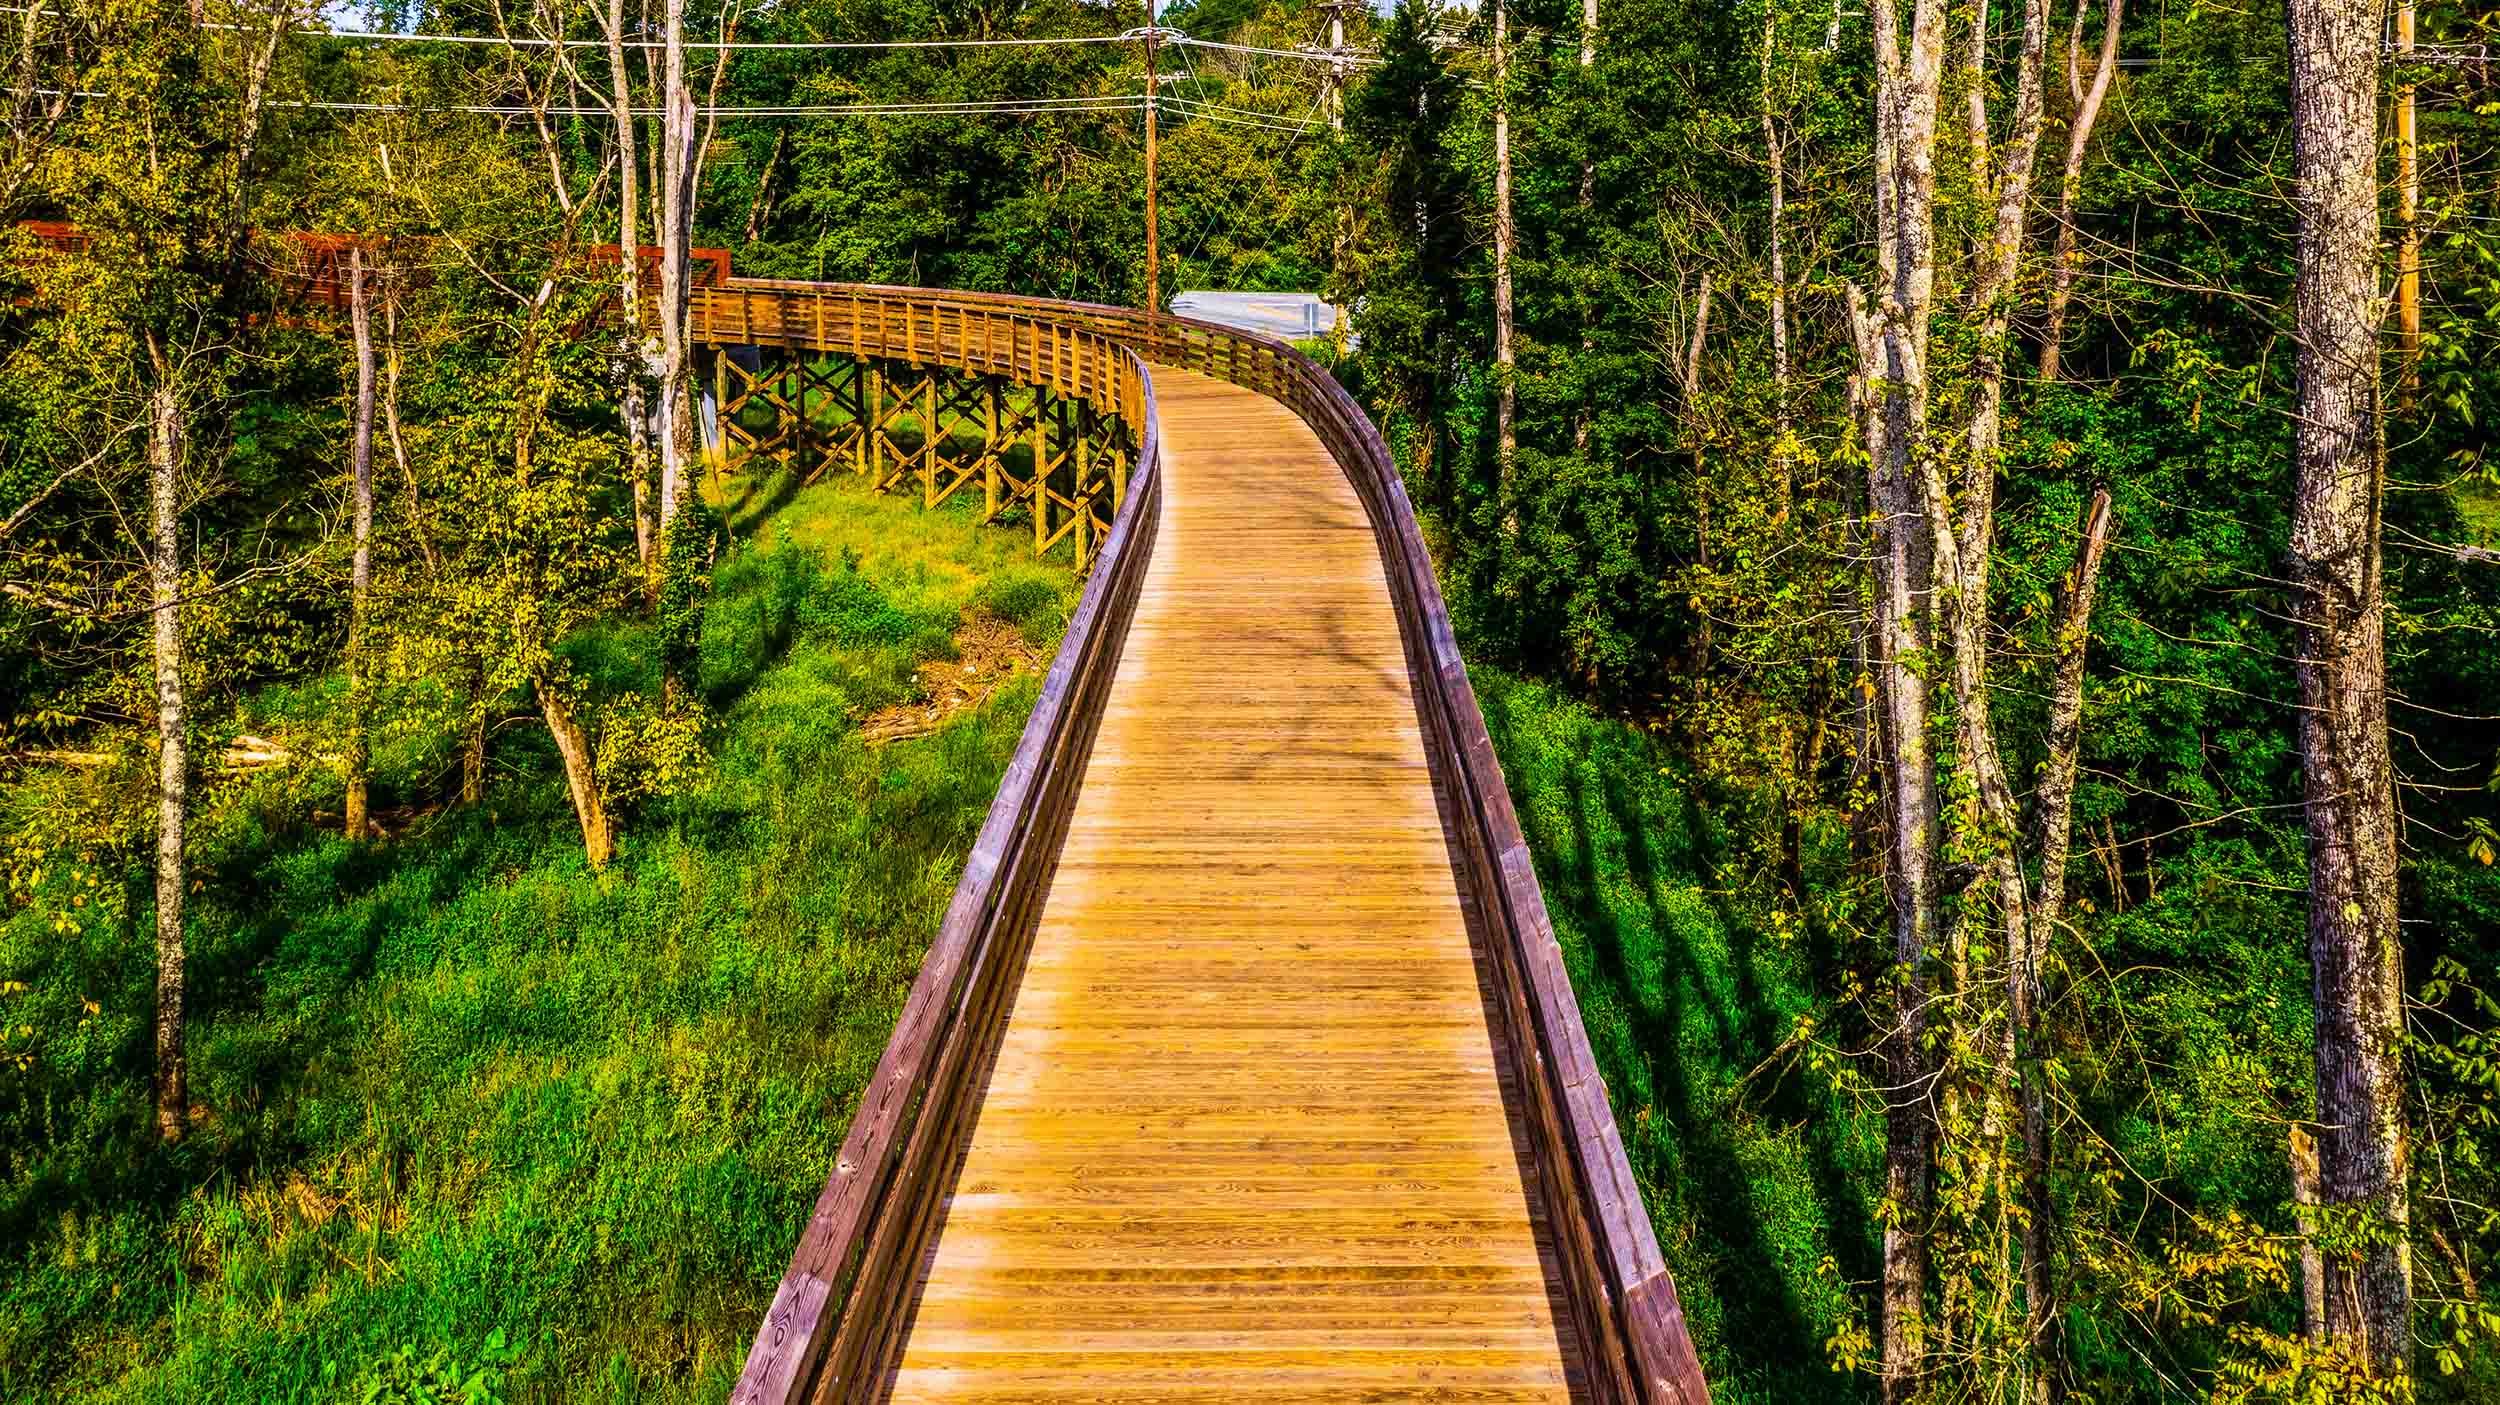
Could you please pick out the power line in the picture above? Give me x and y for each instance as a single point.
(1361, 57)
(392, 36)
(1191, 108)
(999, 107)
(735, 45)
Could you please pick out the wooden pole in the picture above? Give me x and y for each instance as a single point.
(1041, 471)
(2408, 220)
(871, 420)
(1504, 364)
(990, 450)
(1154, 292)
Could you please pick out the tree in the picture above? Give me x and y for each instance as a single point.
(1412, 242)
(2087, 113)
(2340, 601)
(145, 319)
(360, 576)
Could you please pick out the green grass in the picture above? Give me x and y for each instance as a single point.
(2479, 504)
(1685, 987)
(466, 1103)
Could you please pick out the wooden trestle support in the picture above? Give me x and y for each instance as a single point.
(1056, 462)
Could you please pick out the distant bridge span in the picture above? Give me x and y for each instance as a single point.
(1244, 1065)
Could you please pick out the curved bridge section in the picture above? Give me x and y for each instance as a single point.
(1244, 1065)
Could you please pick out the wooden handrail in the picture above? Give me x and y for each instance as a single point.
(838, 1302)
(841, 1310)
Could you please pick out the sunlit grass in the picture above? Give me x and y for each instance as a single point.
(1685, 989)
(459, 1085)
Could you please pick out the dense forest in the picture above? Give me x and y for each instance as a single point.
(1974, 526)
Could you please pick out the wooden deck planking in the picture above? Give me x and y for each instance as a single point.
(1245, 1136)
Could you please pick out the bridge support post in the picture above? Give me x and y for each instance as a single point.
(1084, 482)
(1041, 472)
(796, 361)
(871, 418)
(928, 440)
(989, 448)
(716, 436)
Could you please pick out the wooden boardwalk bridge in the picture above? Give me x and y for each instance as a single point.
(1244, 1066)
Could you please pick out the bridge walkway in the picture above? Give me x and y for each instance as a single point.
(1245, 1137)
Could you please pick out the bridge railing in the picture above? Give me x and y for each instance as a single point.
(1622, 1301)
(837, 1321)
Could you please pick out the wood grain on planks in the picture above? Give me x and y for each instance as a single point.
(1244, 1138)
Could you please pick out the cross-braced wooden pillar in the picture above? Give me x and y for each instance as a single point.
(827, 408)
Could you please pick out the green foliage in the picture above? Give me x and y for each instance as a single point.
(689, 548)
(456, 1085)
(402, 1378)
(1755, 1153)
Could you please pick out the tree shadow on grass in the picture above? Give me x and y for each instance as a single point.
(1695, 1014)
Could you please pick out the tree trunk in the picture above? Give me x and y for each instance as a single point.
(1582, 422)
(580, 776)
(1505, 236)
(680, 164)
(473, 750)
(630, 350)
(761, 208)
(2054, 827)
(1892, 343)
(1588, 61)
(399, 446)
(1693, 429)
(360, 576)
(173, 772)
(1777, 159)
(2078, 137)
(2347, 775)
(1964, 536)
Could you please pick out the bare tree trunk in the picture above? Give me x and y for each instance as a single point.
(2078, 138)
(761, 208)
(630, 335)
(580, 775)
(1588, 61)
(399, 446)
(360, 576)
(1505, 237)
(2304, 1149)
(1892, 340)
(2054, 828)
(173, 771)
(2054, 803)
(680, 164)
(1773, 153)
(1689, 373)
(1963, 542)
(1581, 423)
(2341, 663)
(473, 743)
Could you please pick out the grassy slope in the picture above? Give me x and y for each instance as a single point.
(1751, 1182)
(458, 1084)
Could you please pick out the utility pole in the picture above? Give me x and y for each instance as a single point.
(1507, 433)
(1154, 280)
(1339, 69)
(2408, 219)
